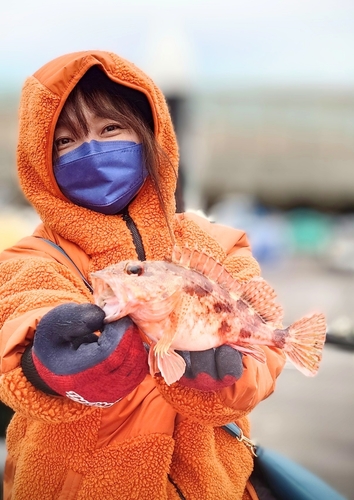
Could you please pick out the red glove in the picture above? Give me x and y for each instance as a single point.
(213, 369)
(67, 358)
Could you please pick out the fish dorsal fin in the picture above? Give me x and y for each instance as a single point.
(204, 264)
(261, 296)
(256, 292)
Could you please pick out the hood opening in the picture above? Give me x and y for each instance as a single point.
(95, 78)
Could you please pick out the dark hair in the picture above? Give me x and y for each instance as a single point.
(129, 107)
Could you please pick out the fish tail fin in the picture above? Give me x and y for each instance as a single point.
(304, 343)
(171, 365)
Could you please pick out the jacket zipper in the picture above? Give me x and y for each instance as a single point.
(138, 242)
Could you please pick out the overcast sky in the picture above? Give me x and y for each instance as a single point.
(187, 42)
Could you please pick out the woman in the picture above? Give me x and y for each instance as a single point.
(98, 160)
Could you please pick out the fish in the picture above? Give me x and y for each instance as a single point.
(190, 302)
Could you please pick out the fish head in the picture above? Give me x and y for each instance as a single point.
(146, 290)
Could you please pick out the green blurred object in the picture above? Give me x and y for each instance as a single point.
(310, 230)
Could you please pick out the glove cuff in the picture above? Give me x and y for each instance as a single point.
(32, 375)
(205, 382)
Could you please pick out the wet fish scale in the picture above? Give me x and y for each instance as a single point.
(192, 303)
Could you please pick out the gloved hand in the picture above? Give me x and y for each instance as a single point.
(213, 369)
(67, 358)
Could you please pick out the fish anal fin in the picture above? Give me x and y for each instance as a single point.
(251, 350)
(262, 298)
(152, 361)
(172, 366)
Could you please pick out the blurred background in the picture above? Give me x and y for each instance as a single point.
(262, 97)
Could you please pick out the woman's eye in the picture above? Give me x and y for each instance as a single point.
(62, 142)
(112, 128)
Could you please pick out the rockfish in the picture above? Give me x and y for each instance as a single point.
(192, 303)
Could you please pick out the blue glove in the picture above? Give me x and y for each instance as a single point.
(67, 357)
(213, 369)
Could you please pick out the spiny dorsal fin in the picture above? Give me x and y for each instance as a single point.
(204, 264)
(256, 292)
(261, 296)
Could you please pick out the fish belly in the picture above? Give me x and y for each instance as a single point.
(204, 323)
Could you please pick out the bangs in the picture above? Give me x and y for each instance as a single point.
(113, 107)
(100, 104)
(72, 115)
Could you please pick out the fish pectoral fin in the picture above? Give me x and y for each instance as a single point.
(163, 345)
(172, 366)
(251, 350)
(161, 309)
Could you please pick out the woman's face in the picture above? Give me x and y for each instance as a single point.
(99, 129)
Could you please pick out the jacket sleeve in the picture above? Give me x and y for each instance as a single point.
(258, 380)
(232, 403)
(30, 287)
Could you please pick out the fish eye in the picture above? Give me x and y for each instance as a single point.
(134, 269)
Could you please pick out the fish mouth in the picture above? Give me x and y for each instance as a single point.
(112, 310)
(113, 302)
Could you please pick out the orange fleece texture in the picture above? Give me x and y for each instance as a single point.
(157, 436)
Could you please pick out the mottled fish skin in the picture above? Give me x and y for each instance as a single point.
(192, 303)
(207, 315)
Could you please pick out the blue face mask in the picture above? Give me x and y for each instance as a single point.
(103, 176)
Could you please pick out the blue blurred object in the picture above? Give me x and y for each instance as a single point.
(286, 479)
(275, 235)
(290, 481)
(268, 231)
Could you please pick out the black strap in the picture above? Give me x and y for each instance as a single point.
(61, 250)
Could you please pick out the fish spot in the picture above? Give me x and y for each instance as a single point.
(224, 328)
(245, 334)
(220, 307)
(195, 290)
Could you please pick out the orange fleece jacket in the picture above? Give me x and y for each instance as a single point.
(158, 436)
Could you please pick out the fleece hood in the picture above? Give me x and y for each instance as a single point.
(43, 97)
